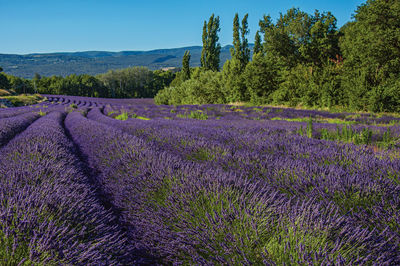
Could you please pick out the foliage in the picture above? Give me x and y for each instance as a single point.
(186, 66)
(233, 80)
(234, 87)
(260, 78)
(257, 48)
(299, 63)
(385, 97)
(4, 83)
(204, 87)
(240, 50)
(20, 85)
(370, 46)
(211, 48)
(134, 82)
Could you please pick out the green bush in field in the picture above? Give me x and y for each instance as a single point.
(123, 116)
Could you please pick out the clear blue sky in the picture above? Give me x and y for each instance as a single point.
(41, 26)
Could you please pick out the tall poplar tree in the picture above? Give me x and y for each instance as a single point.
(186, 66)
(244, 31)
(234, 85)
(204, 50)
(240, 50)
(257, 43)
(211, 48)
(235, 51)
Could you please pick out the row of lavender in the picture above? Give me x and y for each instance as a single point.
(50, 209)
(206, 192)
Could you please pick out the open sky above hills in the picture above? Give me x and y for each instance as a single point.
(44, 26)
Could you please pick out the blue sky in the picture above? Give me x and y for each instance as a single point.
(42, 26)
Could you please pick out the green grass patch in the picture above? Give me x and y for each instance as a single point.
(258, 110)
(41, 113)
(198, 114)
(139, 117)
(316, 120)
(123, 116)
(25, 99)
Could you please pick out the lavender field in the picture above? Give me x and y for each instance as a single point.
(90, 181)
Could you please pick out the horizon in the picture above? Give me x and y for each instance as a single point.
(122, 51)
(46, 27)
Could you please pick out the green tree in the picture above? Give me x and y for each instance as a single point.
(257, 44)
(204, 87)
(322, 41)
(133, 82)
(20, 85)
(265, 24)
(203, 57)
(261, 78)
(36, 81)
(236, 50)
(186, 66)
(244, 31)
(371, 51)
(240, 50)
(4, 83)
(234, 85)
(211, 48)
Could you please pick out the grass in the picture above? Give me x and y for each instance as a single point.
(25, 99)
(139, 117)
(41, 113)
(124, 116)
(346, 134)
(198, 114)
(317, 120)
(332, 109)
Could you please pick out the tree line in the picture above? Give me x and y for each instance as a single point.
(300, 59)
(133, 82)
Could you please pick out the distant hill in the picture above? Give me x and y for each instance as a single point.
(96, 62)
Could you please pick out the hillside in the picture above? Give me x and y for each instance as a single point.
(95, 62)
